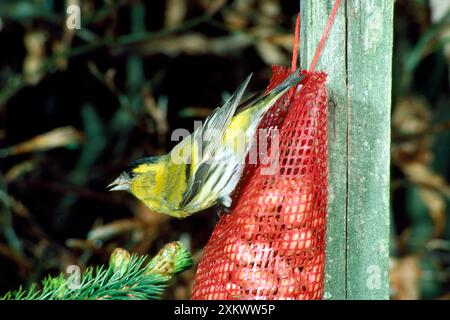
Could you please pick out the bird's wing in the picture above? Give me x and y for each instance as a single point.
(210, 138)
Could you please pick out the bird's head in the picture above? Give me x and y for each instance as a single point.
(140, 178)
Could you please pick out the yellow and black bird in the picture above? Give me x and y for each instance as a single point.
(205, 167)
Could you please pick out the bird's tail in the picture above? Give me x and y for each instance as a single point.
(264, 101)
(288, 83)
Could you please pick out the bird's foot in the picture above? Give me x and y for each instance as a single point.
(225, 201)
(224, 206)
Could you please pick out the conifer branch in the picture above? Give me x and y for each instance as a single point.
(127, 277)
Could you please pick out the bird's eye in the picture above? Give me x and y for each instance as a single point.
(131, 174)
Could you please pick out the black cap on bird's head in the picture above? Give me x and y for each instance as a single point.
(147, 160)
(124, 180)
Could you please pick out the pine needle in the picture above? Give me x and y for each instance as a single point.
(127, 277)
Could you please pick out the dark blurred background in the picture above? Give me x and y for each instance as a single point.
(77, 105)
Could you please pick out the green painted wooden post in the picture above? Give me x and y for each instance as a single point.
(357, 57)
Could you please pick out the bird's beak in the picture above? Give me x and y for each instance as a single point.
(121, 183)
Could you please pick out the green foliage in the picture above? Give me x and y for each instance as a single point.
(172, 260)
(127, 277)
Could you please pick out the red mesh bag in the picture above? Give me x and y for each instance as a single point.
(272, 244)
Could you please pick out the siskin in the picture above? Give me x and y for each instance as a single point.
(204, 168)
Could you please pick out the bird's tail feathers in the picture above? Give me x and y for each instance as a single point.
(288, 83)
(266, 100)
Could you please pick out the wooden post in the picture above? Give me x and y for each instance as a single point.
(357, 58)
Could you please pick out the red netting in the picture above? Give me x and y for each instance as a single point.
(272, 245)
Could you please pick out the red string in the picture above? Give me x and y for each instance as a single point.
(296, 44)
(294, 55)
(325, 35)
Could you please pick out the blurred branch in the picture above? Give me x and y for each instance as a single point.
(24, 11)
(441, 189)
(23, 264)
(7, 221)
(59, 137)
(114, 44)
(112, 229)
(146, 36)
(12, 86)
(126, 40)
(422, 48)
(435, 129)
(65, 189)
